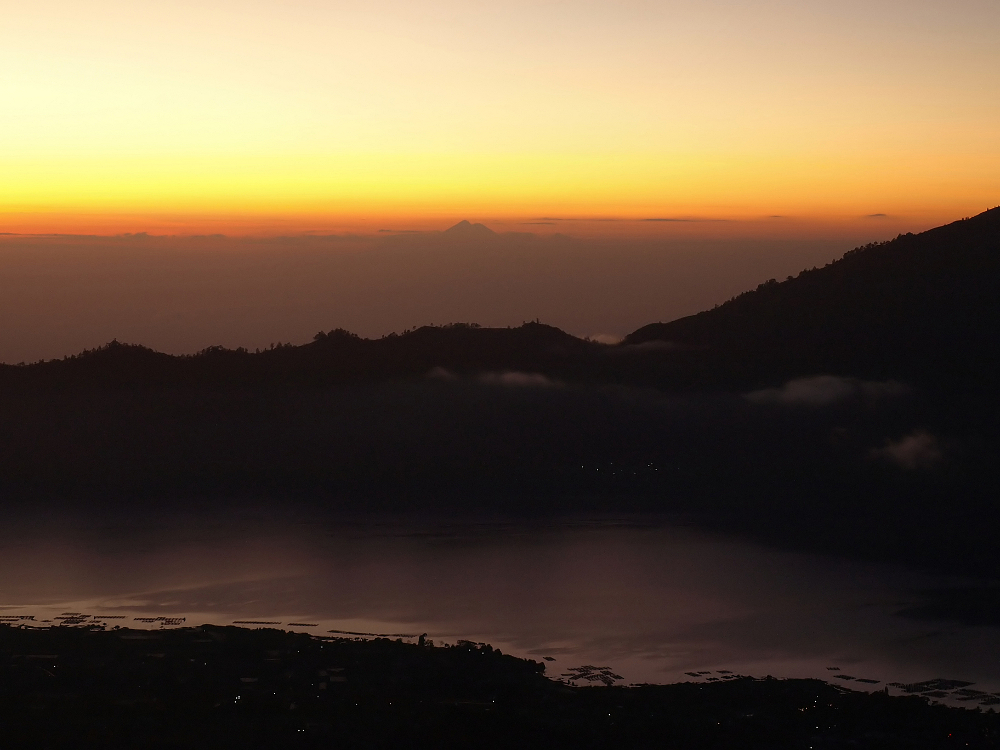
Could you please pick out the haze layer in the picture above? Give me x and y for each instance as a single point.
(60, 295)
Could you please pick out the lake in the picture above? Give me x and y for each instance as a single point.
(651, 599)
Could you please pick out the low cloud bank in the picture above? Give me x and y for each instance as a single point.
(918, 450)
(508, 378)
(181, 294)
(517, 379)
(606, 338)
(825, 390)
(440, 373)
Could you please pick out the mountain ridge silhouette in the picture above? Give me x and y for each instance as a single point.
(467, 230)
(719, 417)
(921, 307)
(907, 307)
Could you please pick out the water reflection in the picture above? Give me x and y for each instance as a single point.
(653, 601)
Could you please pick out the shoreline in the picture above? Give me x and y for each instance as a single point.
(226, 686)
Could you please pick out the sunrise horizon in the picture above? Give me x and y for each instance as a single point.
(370, 370)
(306, 117)
(649, 227)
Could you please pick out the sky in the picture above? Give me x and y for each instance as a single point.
(268, 117)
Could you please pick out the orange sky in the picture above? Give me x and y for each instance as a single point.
(281, 117)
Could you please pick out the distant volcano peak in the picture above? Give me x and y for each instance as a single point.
(465, 228)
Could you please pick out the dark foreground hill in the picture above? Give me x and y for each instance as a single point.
(226, 687)
(333, 358)
(852, 408)
(921, 308)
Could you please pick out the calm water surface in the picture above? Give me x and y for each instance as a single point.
(650, 600)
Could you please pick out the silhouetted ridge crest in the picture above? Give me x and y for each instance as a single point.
(922, 306)
(336, 356)
(923, 309)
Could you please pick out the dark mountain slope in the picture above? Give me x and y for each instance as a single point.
(899, 473)
(924, 308)
(337, 357)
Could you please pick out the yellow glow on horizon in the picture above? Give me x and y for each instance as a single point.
(383, 187)
(313, 115)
